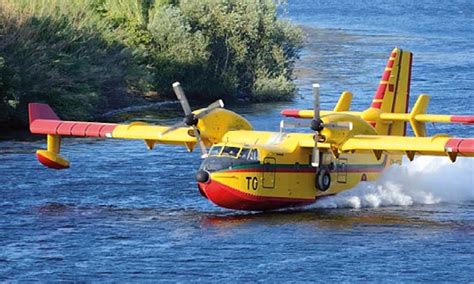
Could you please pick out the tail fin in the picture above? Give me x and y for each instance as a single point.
(393, 91)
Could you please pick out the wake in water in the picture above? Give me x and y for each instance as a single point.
(426, 180)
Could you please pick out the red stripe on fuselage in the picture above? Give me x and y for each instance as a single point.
(374, 169)
(291, 169)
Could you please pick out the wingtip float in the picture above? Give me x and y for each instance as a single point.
(262, 170)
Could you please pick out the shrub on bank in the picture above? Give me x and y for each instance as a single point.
(87, 56)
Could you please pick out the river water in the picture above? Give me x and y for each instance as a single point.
(122, 212)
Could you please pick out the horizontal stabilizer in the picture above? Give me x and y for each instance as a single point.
(308, 113)
(417, 117)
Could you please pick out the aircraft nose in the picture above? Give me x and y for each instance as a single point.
(202, 176)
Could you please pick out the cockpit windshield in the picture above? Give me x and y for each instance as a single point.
(234, 152)
(215, 151)
(230, 151)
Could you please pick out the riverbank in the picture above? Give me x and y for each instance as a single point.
(86, 58)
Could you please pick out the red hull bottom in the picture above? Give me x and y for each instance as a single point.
(227, 197)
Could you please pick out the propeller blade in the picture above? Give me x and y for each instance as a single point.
(201, 143)
(174, 127)
(316, 106)
(178, 90)
(216, 104)
(338, 125)
(211, 107)
(189, 118)
(316, 122)
(294, 124)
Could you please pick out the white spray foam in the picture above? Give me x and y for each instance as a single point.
(426, 180)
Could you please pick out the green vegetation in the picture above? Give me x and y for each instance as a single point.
(87, 56)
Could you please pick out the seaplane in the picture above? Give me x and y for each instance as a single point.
(320, 153)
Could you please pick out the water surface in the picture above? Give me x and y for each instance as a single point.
(122, 212)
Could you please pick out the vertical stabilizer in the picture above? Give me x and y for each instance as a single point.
(393, 91)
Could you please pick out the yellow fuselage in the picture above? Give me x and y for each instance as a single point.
(281, 176)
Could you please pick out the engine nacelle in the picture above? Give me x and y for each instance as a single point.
(220, 121)
(338, 136)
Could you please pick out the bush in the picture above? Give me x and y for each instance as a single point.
(58, 55)
(271, 88)
(6, 100)
(246, 39)
(85, 57)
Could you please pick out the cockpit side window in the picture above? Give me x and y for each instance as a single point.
(215, 150)
(230, 151)
(253, 155)
(244, 154)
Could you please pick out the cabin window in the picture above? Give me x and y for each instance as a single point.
(230, 151)
(215, 150)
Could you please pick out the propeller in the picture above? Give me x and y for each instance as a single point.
(190, 119)
(317, 125)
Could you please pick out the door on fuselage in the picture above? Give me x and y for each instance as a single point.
(269, 172)
(341, 168)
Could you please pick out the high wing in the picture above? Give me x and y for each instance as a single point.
(438, 145)
(43, 120)
(204, 127)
